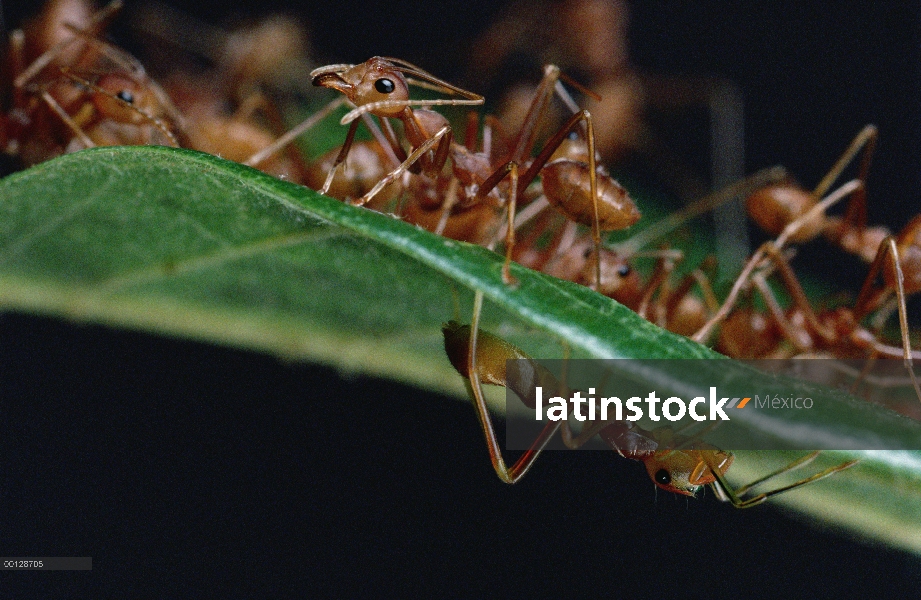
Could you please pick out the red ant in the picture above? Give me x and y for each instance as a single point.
(673, 307)
(103, 96)
(776, 206)
(481, 358)
(898, 260)
(99, 93)
(577, 188)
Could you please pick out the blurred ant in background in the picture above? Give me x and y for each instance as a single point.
(81, 91)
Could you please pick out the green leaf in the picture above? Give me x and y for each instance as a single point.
(182, 243)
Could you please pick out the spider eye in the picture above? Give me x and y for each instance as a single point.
(663, 477)
(125, 96)
(624, 270)
(384, 86)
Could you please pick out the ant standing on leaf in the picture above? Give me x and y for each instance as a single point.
(838, 331)
(775, 206)
(481, 358)
(577, 187)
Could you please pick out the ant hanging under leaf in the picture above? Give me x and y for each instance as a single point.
(481, 358)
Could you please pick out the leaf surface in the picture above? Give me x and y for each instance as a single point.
(181, 243)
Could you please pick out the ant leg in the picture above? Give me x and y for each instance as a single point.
(257, 158)
(869, 297)
(704, 333)
(544, 155)
(470, 131)
(587, 433)
(388, 135)
(510, 232)
(698, 207)
(524, 143)
(796, 464)
(549, 84)
(780, 318)
(796, 292)
(60, 112)
(866, 139)
(494, 135)
(414, 156)
(851, 232)
(17, 50)
(658, 282)
(340, 158)
(450, 201)
(702, 279)
(727, 493)
(475, 389)
(511, 169)
(865, 301)
(856, 214)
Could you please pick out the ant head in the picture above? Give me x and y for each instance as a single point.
(619, 280)
(123, 99)
(376, 80)
(685, 471)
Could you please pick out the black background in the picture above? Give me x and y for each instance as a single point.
(188, 470)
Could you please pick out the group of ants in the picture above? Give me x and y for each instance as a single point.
(549, 203)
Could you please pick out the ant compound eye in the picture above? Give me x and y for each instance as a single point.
(624, 270)
(384, 86)
(125, 96)
(663, 477)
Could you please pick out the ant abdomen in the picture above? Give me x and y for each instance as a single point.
(566, 184)
(775, 206)
(748, 334)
